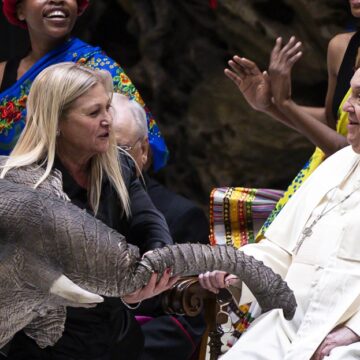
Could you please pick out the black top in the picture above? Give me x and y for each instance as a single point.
(346, 72)
(146, 227)
(93, 333)
(187, 221)
(10, 73)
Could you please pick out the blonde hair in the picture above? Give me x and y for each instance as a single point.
(51, 95)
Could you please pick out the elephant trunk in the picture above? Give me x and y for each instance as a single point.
(190, 259)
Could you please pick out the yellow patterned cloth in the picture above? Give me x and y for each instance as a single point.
(315, 160)
(236, 213)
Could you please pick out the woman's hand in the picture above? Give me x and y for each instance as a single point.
(215, 280)
(153, 288)
(282, 59)
(340, 336)
(252, 83)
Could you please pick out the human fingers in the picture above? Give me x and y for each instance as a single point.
(173, 280)
(295, 58)
(275, 55)
(323, 350)
(316, 355)
(291, 55)
(289, 45)
(340, 336)
(217, 279)
(277, 47)
(230, 280)
(146, 291)
(233, 77)
(204, 280)
(163, 281)
(237, 68)
(248, 65)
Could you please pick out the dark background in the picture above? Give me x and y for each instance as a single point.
(175, 53)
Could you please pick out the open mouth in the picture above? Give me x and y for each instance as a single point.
(353, 122)
(106, 135)
(56, 14)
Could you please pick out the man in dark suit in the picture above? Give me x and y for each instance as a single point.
(164, 334)
(187, 222)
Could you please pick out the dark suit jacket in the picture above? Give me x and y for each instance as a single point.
(187, 222)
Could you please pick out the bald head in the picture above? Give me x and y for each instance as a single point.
(130, 126)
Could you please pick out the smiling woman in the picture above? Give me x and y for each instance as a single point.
(10, 11)
(49, 24)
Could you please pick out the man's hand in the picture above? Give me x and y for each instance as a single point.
(340, 336)
(215, 280)
(252, 83)
(153, 288)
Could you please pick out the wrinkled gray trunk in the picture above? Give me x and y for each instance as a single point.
(43, 237)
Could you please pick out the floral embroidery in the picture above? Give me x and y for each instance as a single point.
(124, 79)
(11, 112)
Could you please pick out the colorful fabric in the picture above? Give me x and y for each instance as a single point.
(237, 213)
(9, 10)
(13, 100)
(316, 159)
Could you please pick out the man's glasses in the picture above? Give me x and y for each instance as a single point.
(129, 147)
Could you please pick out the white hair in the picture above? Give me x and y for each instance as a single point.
(137, 112)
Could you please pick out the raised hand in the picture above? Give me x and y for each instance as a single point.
(252, 83)
(340, 336)
(282, 60)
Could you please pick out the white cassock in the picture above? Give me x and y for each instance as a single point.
(324, 273)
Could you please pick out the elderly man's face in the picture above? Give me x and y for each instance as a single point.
(352, 107)
(127, 135)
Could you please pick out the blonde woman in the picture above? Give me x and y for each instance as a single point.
(68, 128)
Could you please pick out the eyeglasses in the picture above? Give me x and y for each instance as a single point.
(129, 147)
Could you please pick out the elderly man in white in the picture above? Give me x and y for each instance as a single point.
(314, 243)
